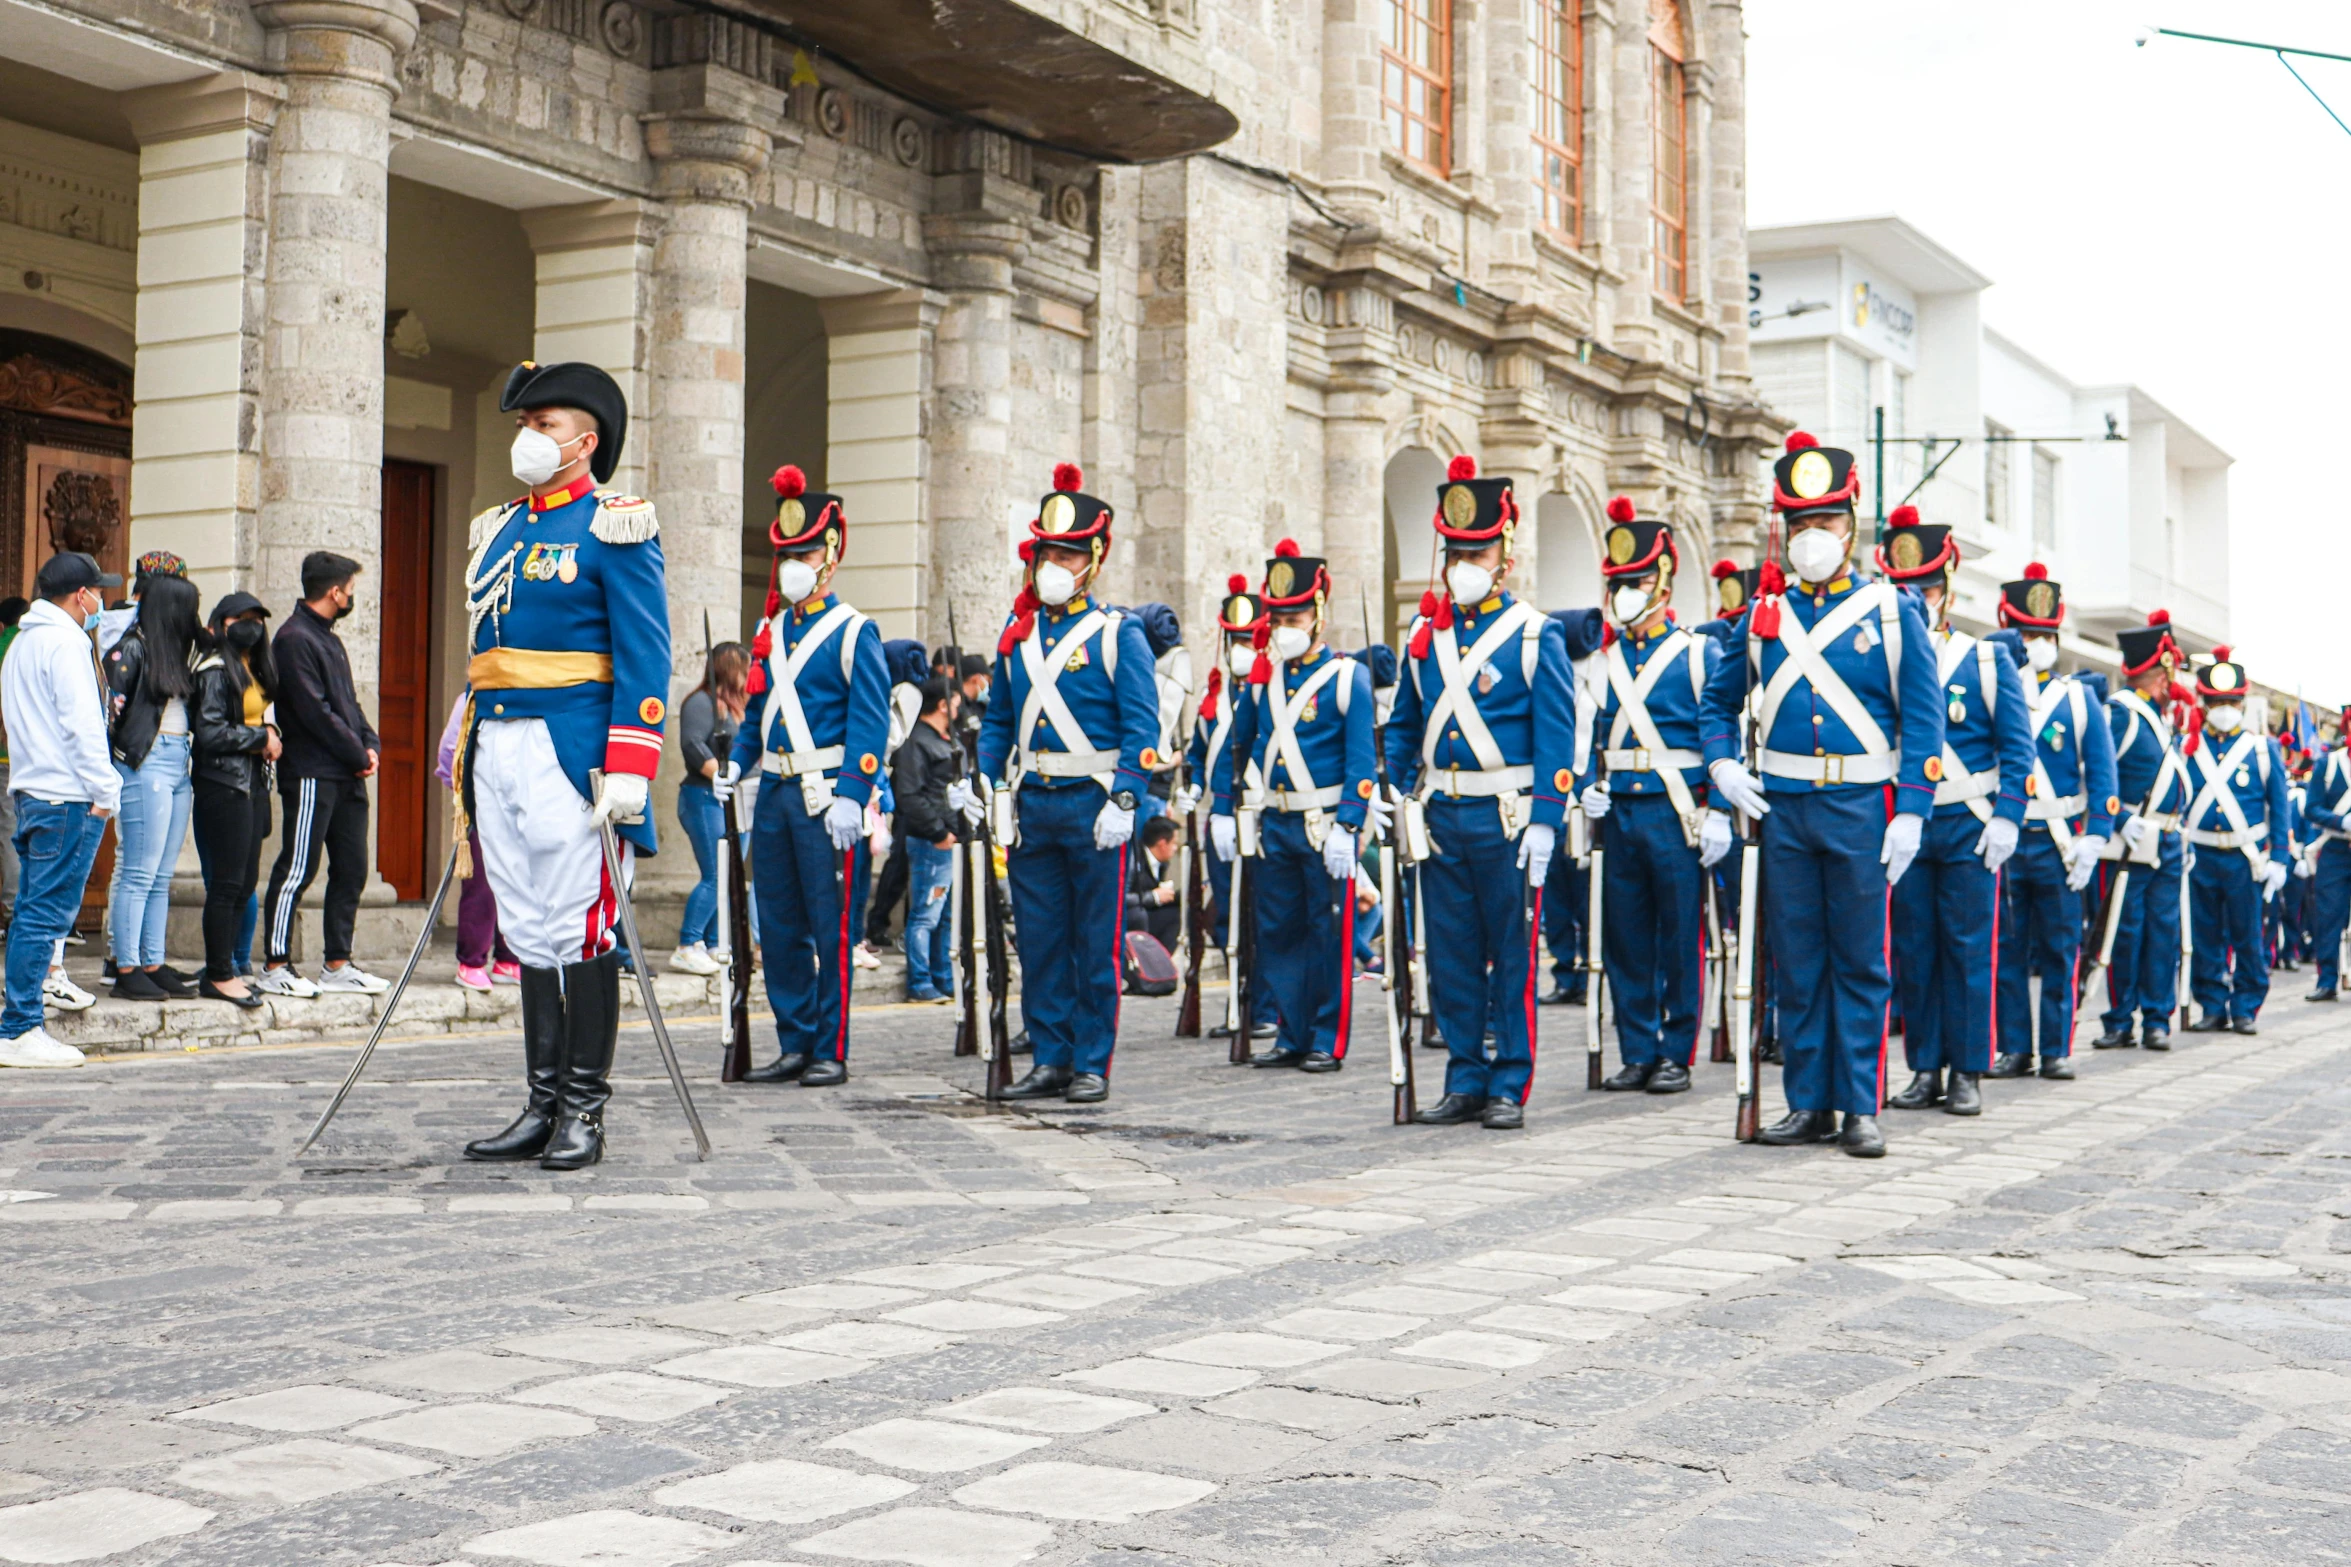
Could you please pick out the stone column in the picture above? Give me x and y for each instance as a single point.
(595, 304)
(1354, 490)
(203, 254)
(1351, 134)
(1510, 149)
(877, 456)
(977, 501)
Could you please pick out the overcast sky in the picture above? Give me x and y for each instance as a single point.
(2178, 216)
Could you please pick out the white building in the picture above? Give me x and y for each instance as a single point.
(1858, 321)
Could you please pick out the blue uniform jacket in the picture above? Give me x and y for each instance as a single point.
(2260, 791)
(1336, 745)
(2139, 750)
(2081, 763)
(2001, 738)
(1118, 712)
(582, 576)
(848, 708)
(2328, 798)
(1672, 703)
(1807, 724)
(1533, 724)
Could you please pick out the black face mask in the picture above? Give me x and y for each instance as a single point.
(347, 606)
(244, 635)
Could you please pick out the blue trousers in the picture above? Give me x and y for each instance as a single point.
(700, 814)
(1068, 913)
(1652, 929)
(1305, 938)
(2040, 934)
(1567, 901)
(55, 845)
(2225, 902)
(1946, 926)
(2143, 981)
(2330, 908)
(1824, 911)
(804, 935)
(930, 935)
(1481, 950)
(1220, 888)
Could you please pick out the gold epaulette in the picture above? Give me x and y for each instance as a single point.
(624, 519)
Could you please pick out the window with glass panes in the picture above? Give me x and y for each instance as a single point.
(1416, 81)
(1669, 184)
(2044, 499)
(1996, 497)
(1557, 27)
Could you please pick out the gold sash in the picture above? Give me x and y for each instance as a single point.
(529, 669)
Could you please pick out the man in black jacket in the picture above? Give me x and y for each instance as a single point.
(330, 753)
(926, 763)
(1151, 892)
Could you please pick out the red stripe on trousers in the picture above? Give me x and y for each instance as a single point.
(1886, 956)
(1346, 1032)
(1534, 934)
(848, 882)
(1118, 970)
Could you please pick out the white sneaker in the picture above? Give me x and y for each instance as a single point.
(34, 1048)
(285, 982)
(352, 978)
(693, 958)
(863, 956)
(62, 993)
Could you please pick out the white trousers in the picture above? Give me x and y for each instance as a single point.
(555, 904)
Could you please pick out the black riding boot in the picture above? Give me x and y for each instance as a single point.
(542, 1058)
(1925, 1092)
(591, 1031)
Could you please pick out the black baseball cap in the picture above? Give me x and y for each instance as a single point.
(70, 571)
(972, 664)
(234, 604)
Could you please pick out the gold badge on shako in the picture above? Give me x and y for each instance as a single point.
(1058, 515)
(1620, 546)
(1904, 552)
(2040, 600)
(2222, 678)
(1461, 505)
(791, 516)
(1811, 475)
(1279, 580)
(1734, 594)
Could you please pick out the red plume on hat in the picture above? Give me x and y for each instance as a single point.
(789, 481)
(1725, 568)
(1460, 468)
(1621, 509)
(1238, 582)
(1068, 476)
(1903, 517)
(2036, 572)
(1800, 441)
(2222, 654)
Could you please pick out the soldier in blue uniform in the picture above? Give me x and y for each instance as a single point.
(567, 689)
(2327, 807)
(1644, 784)
(809, 754)
(1303, 729)
(1210, 762)
(2150, 776)
(2238, 809)
(2069, 817)
(1482, 735)
(1946, 910)
(1850, 748)
(1070, 741)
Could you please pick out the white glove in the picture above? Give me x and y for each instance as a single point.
(1739, 787)
(1996, 843)
(2082, 861)
(1714, 839)
(961, 796)
(2135, 829)
(844, 819)
(1596, 802)
(1901, 845)
(1534, 852)
(1224, 836)
(1186, 799)
(2272, 879)
(1339, 856)
(2302, 870)
(620, 797)
(722, 787)
(1379, 812)
(1114, 825)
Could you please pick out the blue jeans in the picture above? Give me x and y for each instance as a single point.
(930, 874)
(55, 845)
(148, 833)
(704, 820)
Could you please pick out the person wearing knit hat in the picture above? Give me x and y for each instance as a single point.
(1483, 734)
(1070, 742)
(2327, 809)
(1209, 758)
(2238, 824)
(1849, 749)
(1303, 731)
(2151, 777)
(808, 759)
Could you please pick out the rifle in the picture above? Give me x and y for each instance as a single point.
(2109, 922)
(1721, 957)
(1395, 987)
(1744, 1022)
(1595, 975)
(1192, 937)
(734, 929)
(1241, 933)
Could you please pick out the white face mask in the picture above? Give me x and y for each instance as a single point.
(1240, 658)
(1816, 553)
(1292, 641)
(538, 456)
(2225, 717)
(1468, 582)
(1056, 583)
(1628, 605)
(2041, 653)
(795, 579)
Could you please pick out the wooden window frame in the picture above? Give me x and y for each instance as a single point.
(1559, 105)
(1400, 74)
(1669, 172)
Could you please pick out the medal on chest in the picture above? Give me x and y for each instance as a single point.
(1866, 638)
(1076, 661)
(2055, 735)
(552, 563)
(1312, 707)
(1488, 678)
(2243, 778)
(1958, 705)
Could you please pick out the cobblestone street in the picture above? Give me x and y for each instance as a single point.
(1229, 1317)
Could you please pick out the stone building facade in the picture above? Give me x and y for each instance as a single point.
(1260, 267)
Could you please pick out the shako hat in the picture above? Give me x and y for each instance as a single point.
(2034, 601)
(2143, 647)
(1293, 580)
(574, 385)
(805, 519)
(1472, 511)
(1810, 479)
(1915, 550)
(1632, 544)
(1238, 611)
(1734, 588)
(2222, 680)
(1067, 515)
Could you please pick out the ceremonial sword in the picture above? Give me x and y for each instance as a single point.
(628, 929)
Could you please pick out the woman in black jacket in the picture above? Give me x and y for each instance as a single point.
(148, 684)
(235, 743)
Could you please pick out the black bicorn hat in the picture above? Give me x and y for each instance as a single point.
(1472, 511)
(1810, 479)
(2034, 601)
(574, 385)
(1633, 544)
(1293, 580)
(2142, 647)
(1238, 611)
(1915, 550)
(1734, 588)
(805, 519)
(1067, 515)
(2224, 679)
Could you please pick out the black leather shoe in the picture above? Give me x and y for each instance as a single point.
(2115, 1039)
(1219, 1031)
(2057, 1068)
(2155, 1039)
(1320, 1061)
(783, 1069)
(1924, 1093)
(1964, 1097)
(2324, 993)
(1769, 1051)
(1087, 1088)
(825, 1074)
(2210, 1023)
(2244, 1025)
(2008, 1065)
(1277, 1058)
(212, 992)
(1800, 1126)
(591, 1033)
(1020, 1045)
(1671, 1077)
(1264, 1030)
(1452, 1110)
(542, 1059)
(1042, 1082)
(1502, 1115)
(1861, 1137)
(1556, 997)
(1630, 1078)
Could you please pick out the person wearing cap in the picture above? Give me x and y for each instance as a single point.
(809, 752)
(1209, 760)
(1302, 731)
(1483, 737)
(64, 785)
(1946, 911)
(1644, 786)
(1071, 740)
(2235, 823)
(1849, 750)
(2070, 808)
(2151, 777)
(2327, 807)
(568, 682)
